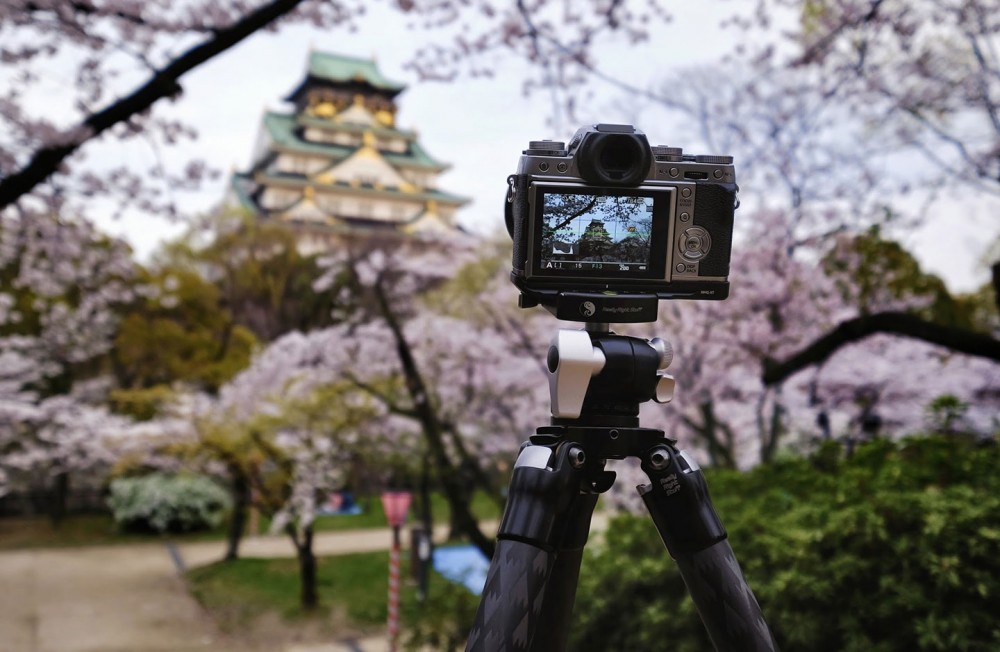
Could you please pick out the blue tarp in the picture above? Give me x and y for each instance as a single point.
(464, 565)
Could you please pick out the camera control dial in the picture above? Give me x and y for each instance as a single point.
(713, 159)
(546, 148)
(694, 243)
(664, 153)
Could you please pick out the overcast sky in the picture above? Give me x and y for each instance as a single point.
(479, 126)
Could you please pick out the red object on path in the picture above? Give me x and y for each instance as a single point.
(395, 504)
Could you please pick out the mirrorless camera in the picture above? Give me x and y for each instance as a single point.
(606, 227)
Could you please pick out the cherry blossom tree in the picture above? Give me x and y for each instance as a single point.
(304, 446)
(823, 104)
(923, 77)
(450, 374)
(930, 68)
(441, 370)
(60, 285)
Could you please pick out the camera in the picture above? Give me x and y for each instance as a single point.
(607, 226)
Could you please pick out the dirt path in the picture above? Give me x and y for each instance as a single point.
(131, 598)
(107, 599)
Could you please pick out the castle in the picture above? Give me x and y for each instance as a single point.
(338, 170)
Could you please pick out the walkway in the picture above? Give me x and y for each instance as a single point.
(131, 598)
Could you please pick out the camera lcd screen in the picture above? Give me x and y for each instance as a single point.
(601, 233)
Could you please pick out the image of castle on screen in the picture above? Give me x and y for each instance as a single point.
(587, 232)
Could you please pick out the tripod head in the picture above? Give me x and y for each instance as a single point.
(596, 374)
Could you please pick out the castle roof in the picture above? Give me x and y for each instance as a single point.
(337, 69)
(284, 132)
(298, 182)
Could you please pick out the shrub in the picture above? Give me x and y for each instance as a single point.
(893, 548)
(168, 503)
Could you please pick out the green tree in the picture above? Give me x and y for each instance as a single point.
(263, 280)
(286, 462)
(177, 332)
(893, 548)
(874, 271)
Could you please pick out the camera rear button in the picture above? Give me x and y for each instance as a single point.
(694, 243)
(685, 217)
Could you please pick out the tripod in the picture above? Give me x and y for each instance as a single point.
(596, 381)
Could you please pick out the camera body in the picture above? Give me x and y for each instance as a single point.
(607, 226)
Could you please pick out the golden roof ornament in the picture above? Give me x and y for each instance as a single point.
(324, 109)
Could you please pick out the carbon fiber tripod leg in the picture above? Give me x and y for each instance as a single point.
(528, 598)
(678, 501)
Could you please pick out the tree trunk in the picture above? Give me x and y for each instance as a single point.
(58, 497)
(309, 595)
(241, 507)
(996, 283)
(772, 427)
(433, 432)
(718, 453)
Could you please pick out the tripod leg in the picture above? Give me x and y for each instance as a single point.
(678, 501)
(531, 584)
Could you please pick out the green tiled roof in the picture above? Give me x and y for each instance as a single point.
(282, 129)
(296, 181)
(241, 186)
(338, 68)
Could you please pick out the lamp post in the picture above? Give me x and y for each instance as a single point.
(395, 504)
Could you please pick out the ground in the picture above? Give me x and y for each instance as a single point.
(132, 598)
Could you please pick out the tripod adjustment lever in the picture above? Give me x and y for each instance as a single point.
(665, 349)
(573, 360)
(664, 388)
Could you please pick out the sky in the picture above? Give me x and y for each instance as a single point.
(479, 126)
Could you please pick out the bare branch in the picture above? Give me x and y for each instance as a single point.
(897, 323)
(163, 84)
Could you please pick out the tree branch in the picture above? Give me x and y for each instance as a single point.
(897, 323)
(433, 430)
(165, 83)
(818, 49)
(996, 283)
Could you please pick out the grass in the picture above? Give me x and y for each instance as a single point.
(247, 594)
(23, 532)
(97, 529)
(372, 516)
(258, 599)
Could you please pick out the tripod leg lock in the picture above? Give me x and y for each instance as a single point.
(678, 501)
(545, 506)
